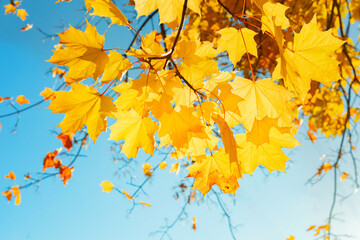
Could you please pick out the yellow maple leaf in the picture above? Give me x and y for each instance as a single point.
(10, 8)
(21, 99)
(308, 59)
(262, 98)
(137, 131)
(163, 165)
(48, 94)
(106, 8)
(273, 16)
(237, 43)
(83, 54)
(169, 11)
(82, 105)
(262, 146)
(213, 169)
(185, 122)
(22, 14)
(106, 186)
(229, 144)
(290, 238)
(147, 169)
(115, 67)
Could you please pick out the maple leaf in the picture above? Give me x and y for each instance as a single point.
(147, 169)
(185, 122)
(261, 99)
(308, 59)
(344, 176)
(115, 67)
(10, 8)
(48, 94)
(213, 169)
(83, 53)
(50, 161)
(237, 43)
(262, 146)
(106, 186)
(229, 144)
(106, 8)
(22, 100)
(82, 106)
(22, 14)
(65, 173)
(137, 131)
(66, 140)
(11, 175)
(169, 11)
(16, 193)
(163, 165)
(7, 194)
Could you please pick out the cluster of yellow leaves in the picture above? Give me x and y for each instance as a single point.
(326, 109)
(317, 230)
(184, 100)
(13, 7)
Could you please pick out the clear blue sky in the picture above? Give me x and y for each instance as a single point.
(267, 207)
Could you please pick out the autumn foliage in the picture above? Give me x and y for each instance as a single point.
(226, 87)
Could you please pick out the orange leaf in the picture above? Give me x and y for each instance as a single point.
(312, 136)
(144, 203)
(27, 177)
(194, 223)
(22, 100)
(65, 173)
(147, 169)
(7, 194)
(11, 175)
(66, 140)
(48, 94)
(127, 195)
(4, 99)
(16, 193)
(327, 166)
(50, 161)
(311, 227)
(344, 176)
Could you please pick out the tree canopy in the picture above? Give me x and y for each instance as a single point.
(221, 87)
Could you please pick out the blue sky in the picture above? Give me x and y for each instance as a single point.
(267, 207)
